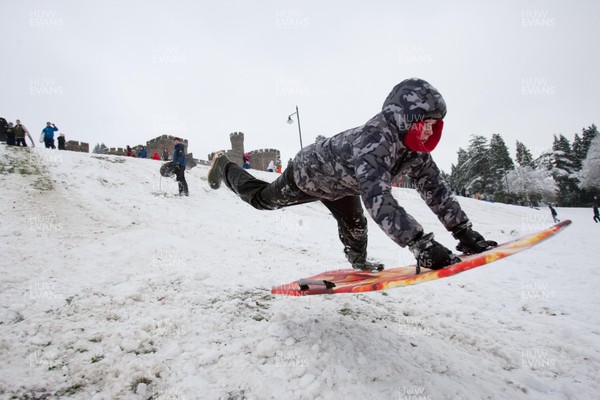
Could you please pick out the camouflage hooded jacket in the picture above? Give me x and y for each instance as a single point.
(364, 160)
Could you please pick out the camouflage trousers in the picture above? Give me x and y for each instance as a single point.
(283, 192)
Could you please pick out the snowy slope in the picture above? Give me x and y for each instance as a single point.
(113, 288)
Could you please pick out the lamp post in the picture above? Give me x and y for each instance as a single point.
(291, 121)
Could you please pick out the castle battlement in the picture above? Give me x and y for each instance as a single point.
(262, 151)
(156, 139)
(73, 145)
(259, 159)
(163, 139)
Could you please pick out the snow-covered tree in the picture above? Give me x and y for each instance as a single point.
(446, 177)
(499, 164)
(100, 149)
(457, 177)
(532, 185)
(587, 136)
(524, 157)
(578, 152)
(476, 169)
(590, 170)
(564, 172)
(545, 161)
(319, 138)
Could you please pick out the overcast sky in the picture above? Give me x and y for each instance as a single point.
(122, 72)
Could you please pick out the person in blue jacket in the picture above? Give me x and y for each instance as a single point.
(142, 153)
(48, 132)
(179, 163)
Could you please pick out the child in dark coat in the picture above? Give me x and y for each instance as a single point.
(358, 166)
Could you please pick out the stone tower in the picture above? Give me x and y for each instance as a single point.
(259, 159)
(236, 153)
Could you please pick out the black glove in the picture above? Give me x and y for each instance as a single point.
(471, 241)
(430, 254)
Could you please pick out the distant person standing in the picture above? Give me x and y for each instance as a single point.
(26, 133)
(166, 155)
(179, 163)
(48, 132)
(20, 131)
(61, 141)
(142, 152)
(3, 129)
(246, 163)
(155, 156)
(596, 214)
(10, 135)
(271, 166)
(128, 152)
(554, 213)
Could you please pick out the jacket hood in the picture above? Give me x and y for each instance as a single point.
(412, 101)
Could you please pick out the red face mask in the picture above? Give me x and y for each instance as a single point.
(413, 137)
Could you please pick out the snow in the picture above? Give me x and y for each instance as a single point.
(114, 288)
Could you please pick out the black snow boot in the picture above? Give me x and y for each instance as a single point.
(215, 174)
(359, 261)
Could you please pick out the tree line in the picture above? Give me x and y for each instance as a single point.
(568, 174)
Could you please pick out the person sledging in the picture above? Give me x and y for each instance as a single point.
(359, 165)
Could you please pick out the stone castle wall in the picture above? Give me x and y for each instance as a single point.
(116, 151)
(73, 145)
(159, 143)
(259, 159)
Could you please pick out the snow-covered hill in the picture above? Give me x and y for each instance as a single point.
(114, 288)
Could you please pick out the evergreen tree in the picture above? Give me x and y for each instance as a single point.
(524, 157)
(545, 161)
(587, 136)
(446, 178)
(457, 179)
(590, 171)
(562, 156)
(476, 168)
(499, 164)
(100, 149)
(563, 171)
(582, 144)
(578, 155)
